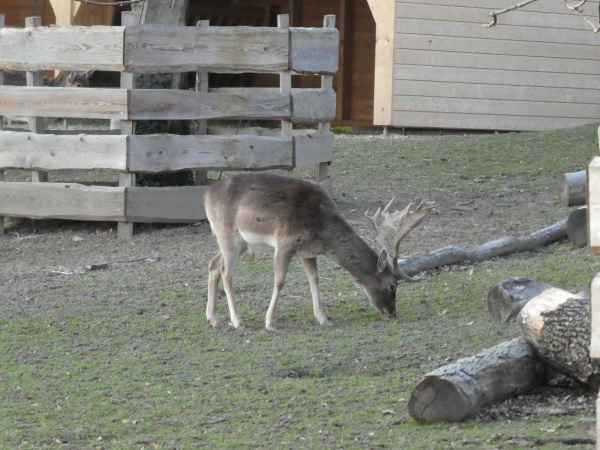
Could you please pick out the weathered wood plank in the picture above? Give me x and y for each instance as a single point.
(524, 34)
(540, 7)
(496, 106)
(313, 149)
(495, 46)
(63, 48)
(493, 76)
(314, 50)
(161, 153)
(313, 105)
(593, 201)
(497, 92)
(494, 61)
(156, 104)
(162, 48)
(480, 15)
(61, 201)
(21, 150)
(91, 103)
(482, 121)
(166, 204)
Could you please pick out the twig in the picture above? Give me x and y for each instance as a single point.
(494, 14)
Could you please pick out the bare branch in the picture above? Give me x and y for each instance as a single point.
(494, 14)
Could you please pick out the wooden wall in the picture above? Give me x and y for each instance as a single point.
(15, 11)
(539, 68)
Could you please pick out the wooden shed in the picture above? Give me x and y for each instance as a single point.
(437, 66)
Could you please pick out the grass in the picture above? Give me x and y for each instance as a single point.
(123, 359)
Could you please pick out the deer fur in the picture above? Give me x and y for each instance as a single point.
(296, 218)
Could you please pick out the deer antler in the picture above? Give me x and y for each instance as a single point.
(393, 226)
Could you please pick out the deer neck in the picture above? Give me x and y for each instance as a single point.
(351, 252)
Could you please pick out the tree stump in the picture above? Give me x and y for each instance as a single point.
(506, 299)
(577, 229)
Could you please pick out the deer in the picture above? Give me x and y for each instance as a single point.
(298, 218)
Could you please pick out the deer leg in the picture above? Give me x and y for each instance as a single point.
(229, 255)
(310, 267)
(281, 262)
(214, 275)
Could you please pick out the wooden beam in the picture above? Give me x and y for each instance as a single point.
(22, 150)
(2, 175)
(63, 12)
(62, 201)
(201, 126)
(314, 50)
(161, 153)
(72, 102)
(384, 14)
(46, 48)
(166, 204)
(151, 48)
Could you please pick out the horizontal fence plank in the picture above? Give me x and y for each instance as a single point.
(24, 150)
(308, 105)
(62, 201)
(63, 48)
(314, 50)
(481, 15)
(157, 104)
(500, 31)
(160, 48)
(557, 7)
(159, 152)
(493, 76)
(500, 107)
(496, 92)
(480, 121)
(313, 148)
(166, 204)
(91, 103)
(495, 47)
(500, 62)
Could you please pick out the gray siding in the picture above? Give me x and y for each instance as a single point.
(539, 68)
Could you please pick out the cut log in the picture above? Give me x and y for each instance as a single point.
(499, 247)
(506, 299)
(458, 391)
(574, 188)
(557, 324)
(577, 229)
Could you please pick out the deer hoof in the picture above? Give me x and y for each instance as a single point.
(237, 325)
(213, 322)
(326, 321)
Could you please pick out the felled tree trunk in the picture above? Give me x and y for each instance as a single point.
(498, 247)
(557, 324)
(457, 391)
(574, 188)
(577, 229)
(506, 299)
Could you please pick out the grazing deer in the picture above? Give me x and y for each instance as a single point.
(297, 217)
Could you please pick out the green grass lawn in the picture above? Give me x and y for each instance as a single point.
(124, 359)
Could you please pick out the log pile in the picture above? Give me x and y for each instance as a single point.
(555, 327)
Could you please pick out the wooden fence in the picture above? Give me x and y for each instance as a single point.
(164, 49)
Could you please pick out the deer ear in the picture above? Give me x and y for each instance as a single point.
(382, 261)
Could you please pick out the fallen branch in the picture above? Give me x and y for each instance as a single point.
(499, 247)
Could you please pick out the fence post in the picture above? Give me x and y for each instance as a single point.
(1, 128)
(126, 179)
(35, 79)
(322, 169)
(201, 176)
(285, 83)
